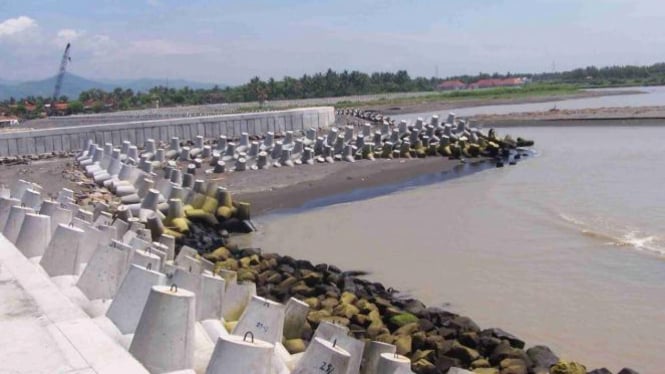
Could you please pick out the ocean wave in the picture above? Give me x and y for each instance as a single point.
(619, 238)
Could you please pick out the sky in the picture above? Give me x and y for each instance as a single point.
(230, 42)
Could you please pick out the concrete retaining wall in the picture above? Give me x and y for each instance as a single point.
(231, 125)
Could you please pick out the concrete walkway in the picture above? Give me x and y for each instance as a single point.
(44, 332)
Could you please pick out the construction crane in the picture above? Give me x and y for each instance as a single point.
(61, 73)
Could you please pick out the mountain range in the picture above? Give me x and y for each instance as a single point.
(73, 85)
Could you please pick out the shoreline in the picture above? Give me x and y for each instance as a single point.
(358, 181)
(414, 108)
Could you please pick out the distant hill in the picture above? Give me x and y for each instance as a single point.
(73, 85)
(145, 84)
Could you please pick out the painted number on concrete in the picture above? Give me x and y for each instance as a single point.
(261, 326)
(327, 367)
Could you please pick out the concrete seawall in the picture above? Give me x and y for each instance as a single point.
(232, 125)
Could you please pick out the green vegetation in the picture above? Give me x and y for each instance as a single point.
(334, 84)
(529, 90)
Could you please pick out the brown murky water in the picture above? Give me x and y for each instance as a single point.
(566, 249)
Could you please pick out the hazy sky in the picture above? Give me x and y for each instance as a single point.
(232, 41)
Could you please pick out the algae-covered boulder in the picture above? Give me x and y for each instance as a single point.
(295, 346)
(219, 254)
(565, 367)
(423, 366)
(403, 344)
(513, 366)
(400, 320)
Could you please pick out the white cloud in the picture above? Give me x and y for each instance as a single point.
(67, 35)
(15, 26)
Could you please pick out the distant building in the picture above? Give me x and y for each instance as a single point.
(6, 121)
(452, 85)
(61, 108)
(501, 82)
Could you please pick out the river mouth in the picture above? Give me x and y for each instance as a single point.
(493, 245)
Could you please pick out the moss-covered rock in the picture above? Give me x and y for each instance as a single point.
(346, 310)
(402, 319)
(219, 254)
(295, 345)
(407, 329)
(565, 367)
(403, 344)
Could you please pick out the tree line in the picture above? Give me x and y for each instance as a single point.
(328, 84)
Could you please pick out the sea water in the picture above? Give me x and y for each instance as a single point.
(565, 249)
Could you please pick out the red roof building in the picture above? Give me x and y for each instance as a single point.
(452, 85)
(505, 82)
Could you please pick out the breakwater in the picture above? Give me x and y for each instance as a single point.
(73, 138)
(298, 314)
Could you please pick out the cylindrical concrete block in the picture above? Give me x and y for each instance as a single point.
(221, 143)
(220, 167)
(187, 180)
(241, 354)
(373, 351)
(176, 177)
(184, 154)
(164, 338)
(125, 310)
(150, 200)
(391, 363)
(323, 356)
(35, 235)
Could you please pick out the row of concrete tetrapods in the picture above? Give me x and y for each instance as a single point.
(171, 312)
(226, 155)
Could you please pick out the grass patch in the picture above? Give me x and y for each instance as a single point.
(530, 90)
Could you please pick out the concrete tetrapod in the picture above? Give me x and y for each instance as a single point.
(129, 301)
(14, 222)
(6, 205)
(373, 351)
(58, 215)
(322, 356)
(264, 318)
(295, 318)
(35, 235)
(392, 363)
(164, 337)
(211, 298)
(241, 355)
(236, 298)
(61, 255)
(328, 330)
(105, 271)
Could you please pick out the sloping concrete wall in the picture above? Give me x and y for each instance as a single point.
(73, 138)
